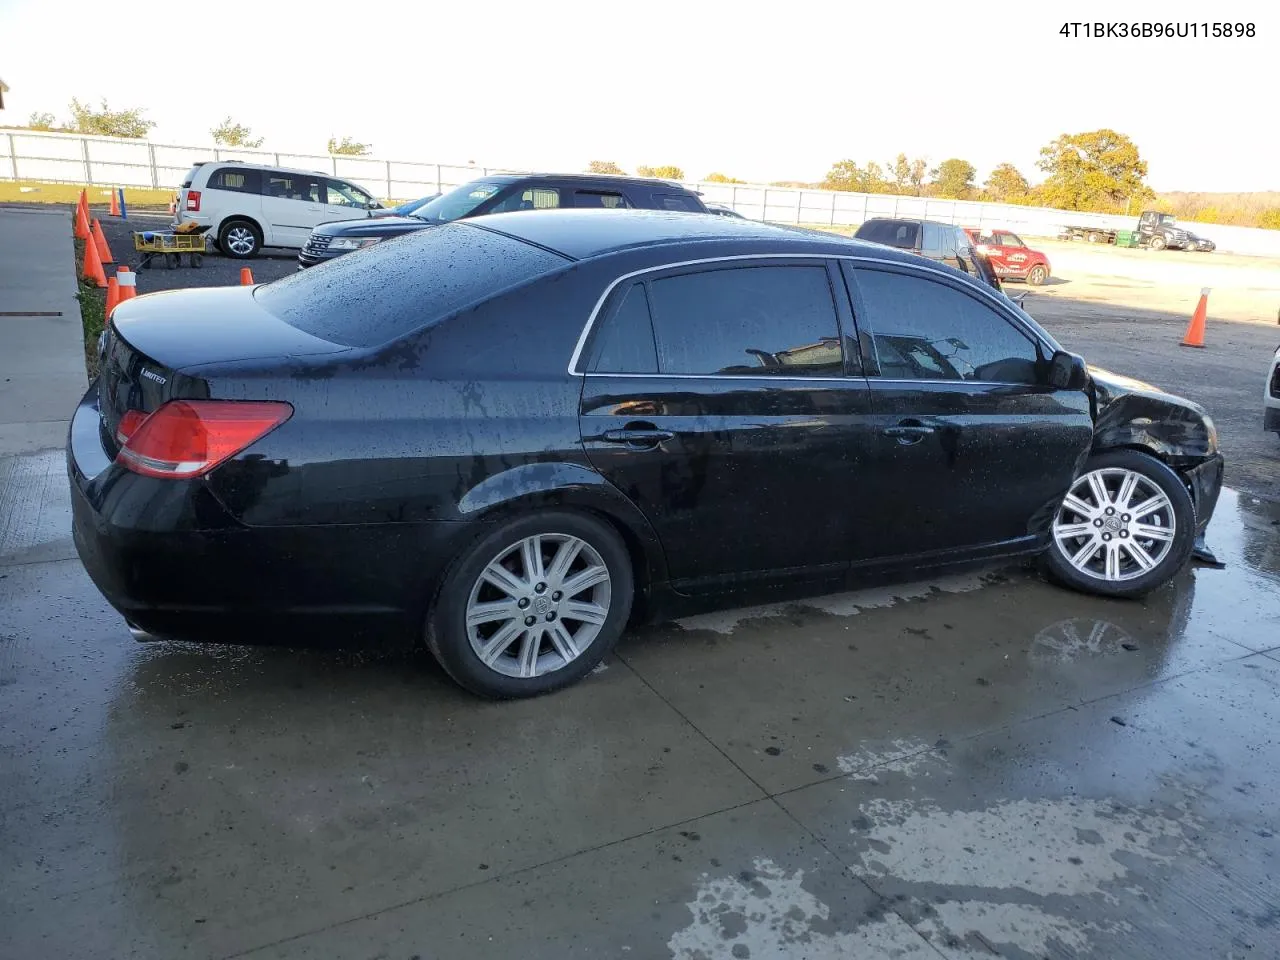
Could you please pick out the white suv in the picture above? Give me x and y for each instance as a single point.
(247, 207)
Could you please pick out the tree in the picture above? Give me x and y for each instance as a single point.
(1007, 185)
(953, 178)
(107, 122)
(667, 172)
(349, 147)
(604, 166)
(721, 178)
(907, 175)
(40, 121)
(918, 168)
(847, 175)
(1270, 219)
(231, 134)
(1098, 170)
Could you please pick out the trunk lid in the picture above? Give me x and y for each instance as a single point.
(153, 341)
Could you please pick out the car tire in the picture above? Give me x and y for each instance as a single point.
(1100, 544)
(1157, 243)
(1095, 238)
(240, 239)
(544, 639)
(1037, 275)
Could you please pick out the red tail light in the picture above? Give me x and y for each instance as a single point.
(193, 201)
(188, 438)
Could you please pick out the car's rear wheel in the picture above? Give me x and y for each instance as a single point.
(239, 239)
(532, 607)
(1037, 275)
(1095, 237)
(1126, 526)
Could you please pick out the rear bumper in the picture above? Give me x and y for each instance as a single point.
(174, 562)
(1205, 482)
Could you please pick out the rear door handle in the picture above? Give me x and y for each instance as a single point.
(637, 436)
(909, 431)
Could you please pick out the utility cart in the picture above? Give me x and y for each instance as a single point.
(169, 246)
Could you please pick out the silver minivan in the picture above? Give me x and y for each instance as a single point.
(247, 207)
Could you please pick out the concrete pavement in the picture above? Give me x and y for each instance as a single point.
(42, 372)
(974, 766)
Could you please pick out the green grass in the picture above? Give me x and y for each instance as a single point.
(39, 191)
(93, 313)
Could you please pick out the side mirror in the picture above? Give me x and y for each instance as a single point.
(1067, 371)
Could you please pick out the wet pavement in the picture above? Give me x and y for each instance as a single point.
(972, 766)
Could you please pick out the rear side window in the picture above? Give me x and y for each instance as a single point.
(768, 320)
(893, 233)
(934, 244)
(294, 186)
(679, 201)
(625, 343)
(236, 180)
(925, 330)
(388, 290)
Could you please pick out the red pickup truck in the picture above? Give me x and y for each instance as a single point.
(1009, 256)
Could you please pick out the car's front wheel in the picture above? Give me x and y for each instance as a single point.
(1126, 526)
(1037, 275)
(532, 607)
(1157, 242)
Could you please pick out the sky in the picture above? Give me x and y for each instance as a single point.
(707, 86)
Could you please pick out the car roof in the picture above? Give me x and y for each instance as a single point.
(603, 179)
(936, 223)
(582, 234)
(240, 164)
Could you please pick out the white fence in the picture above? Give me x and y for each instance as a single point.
(71, 158)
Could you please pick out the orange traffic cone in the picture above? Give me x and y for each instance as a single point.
(92, 269)
(246, 277)
(113, 295)
(173, 205)
(115, 203)
(100, 240)
(84, 203)
(1195, 329)
(128, 282)
(81, 224)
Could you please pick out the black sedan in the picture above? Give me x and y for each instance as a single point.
(504, 437)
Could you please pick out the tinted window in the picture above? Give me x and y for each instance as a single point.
(924, 330)
(625, 343)
(402, 284)
(747, 320)
(294, 186)
(599, 198)
(530, 198)
(933, 245)
(240, 181)
(679, 201)
(1008, 240)
(894, 233)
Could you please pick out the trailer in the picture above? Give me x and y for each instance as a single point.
(1155, 230)
(1091, 234)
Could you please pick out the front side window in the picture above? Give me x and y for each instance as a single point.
(927, 330)
(529, 198)
(766, 320)
(679, 201)
(599, 198)
(293, 186)
(1008, 240)
(343, 194)
(934, 243)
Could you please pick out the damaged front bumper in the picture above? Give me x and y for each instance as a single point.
(1204, 481)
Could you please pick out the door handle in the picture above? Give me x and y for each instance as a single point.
(909, 431)
(637, 436)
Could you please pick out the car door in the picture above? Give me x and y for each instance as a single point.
(974, 447)
(1015, 258)
(345, 201)
(717, 399)
(292, 203)
(989, 245)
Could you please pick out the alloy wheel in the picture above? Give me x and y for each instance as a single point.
(538, 605)
(241, 240)
(1115, 524)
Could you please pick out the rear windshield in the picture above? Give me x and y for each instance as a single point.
(376, 295)
(893, 233)
(191, 175)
